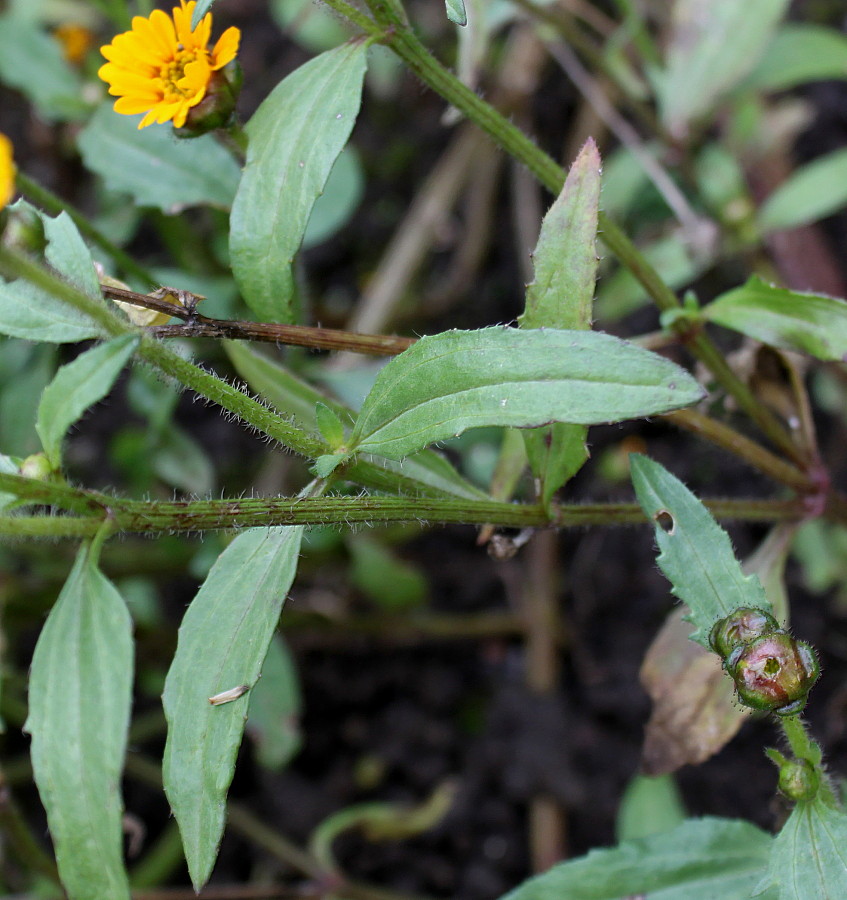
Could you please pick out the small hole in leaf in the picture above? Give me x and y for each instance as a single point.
(665, 521)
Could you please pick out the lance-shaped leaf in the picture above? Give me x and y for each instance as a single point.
(79, 703)
(712, 47)
(808, 323)
(295, 137)
(696, 555)
(426, 473)
(809, 855)
(456, 12)
(30, 313)
(75, 387)
(153, 167)
(449, 382)
(701, 858)
(203, 6)
(223, 641)
(800, 53)
(560, 296)
(811, 192)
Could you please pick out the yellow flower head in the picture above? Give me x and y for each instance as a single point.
(163, 68)
(7, 171)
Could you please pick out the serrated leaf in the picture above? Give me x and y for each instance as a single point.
(808, 859)
(702, 858)
(79, 705)
(75, 387)
(812, 191)
(156, 168)
(32, 62)
(712, 47)
(222, 643)
(447, 383)
(28, 312)
(456, 12)
(275, 705)
(798, 54)
(200, 10)
(561, 296)
(695, 555)
(808, 323)
(295, 137)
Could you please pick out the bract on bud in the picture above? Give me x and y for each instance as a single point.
(740, 628)
(217, 106)
(773, 672)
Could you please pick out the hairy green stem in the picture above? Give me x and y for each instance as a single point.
(194, 516)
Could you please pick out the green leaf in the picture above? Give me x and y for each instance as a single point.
(25, 370)
(712, 47)
(426, 473)
(808, 860)
(650, 805)
(341, 195)
(702, 859)
(222, 643)
(330, 426)
(565, 257)
(203, 6)
(696, 555)
(799, 54)
(811, 192)
(68, 253)
(561, 296)
(456, 12)
(447, 383)
(30, 313)
(383, 577)
(75, 387)
(808, 323)
(156, 168)
(295, 137)
(79, 705)
(181, 461)
(32, 62)
(275, 706)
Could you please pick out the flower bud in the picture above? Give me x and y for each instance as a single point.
(218, 104)
(798, 780)
(773, 672)
(744, 625)
(36, 466)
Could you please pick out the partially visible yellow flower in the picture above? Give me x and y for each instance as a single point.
(7, 171)
(76, 41)
(163, 68)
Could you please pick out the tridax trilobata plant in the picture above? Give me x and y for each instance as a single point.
(189, 274)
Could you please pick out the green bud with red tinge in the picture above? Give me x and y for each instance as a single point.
(773, 672)
(741, 627)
